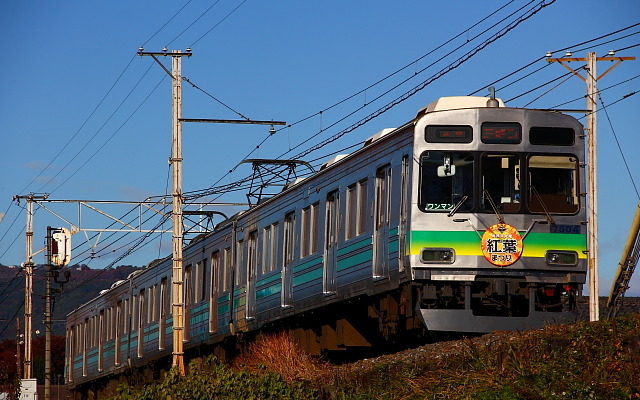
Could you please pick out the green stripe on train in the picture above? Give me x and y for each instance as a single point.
(467, 243)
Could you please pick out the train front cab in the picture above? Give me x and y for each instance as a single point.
(497, 238)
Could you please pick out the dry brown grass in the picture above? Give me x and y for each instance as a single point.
(280, 353)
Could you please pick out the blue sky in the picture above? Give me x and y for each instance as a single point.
(84, 118)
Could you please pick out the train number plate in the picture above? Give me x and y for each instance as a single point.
(565, 229)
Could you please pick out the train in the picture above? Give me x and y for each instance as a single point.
(468, 218)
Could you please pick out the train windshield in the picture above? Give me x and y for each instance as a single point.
(553, 184)
(500, 182)
(550, 185)
(446, 181)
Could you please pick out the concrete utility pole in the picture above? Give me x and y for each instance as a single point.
(28, 284)
(176, 167)
(592, 197)
(177, 294)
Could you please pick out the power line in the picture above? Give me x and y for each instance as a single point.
(556, 51)
(191, 24)
(94, 136)
(166, 23)
(386, 108)
(77, 132)
(112, 135)
(221, 21)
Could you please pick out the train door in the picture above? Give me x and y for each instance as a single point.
(252, 255)
(118, 330)
(213, 296)
(141, 315)
(187, 303)
(331, 242)
(404, 212)
(162, 323)
(381, 222)
(287, 254)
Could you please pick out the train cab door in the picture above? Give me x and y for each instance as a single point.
(381, 222)
(288, 257)
(331, 243)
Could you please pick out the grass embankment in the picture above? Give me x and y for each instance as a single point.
(598, 360)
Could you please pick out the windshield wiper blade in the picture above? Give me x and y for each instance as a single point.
(493, 205)
(455, 208)
(544, 206)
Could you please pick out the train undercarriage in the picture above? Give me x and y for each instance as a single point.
(368, 324)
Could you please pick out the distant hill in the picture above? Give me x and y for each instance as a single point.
(84, 284)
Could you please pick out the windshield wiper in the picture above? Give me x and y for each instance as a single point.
(455, 208)
(544, 206)
(493, 205)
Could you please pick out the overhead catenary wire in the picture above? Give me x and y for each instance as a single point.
(192, 23)
(465, 31)
(267, 137)
(166, 23)
(555, 51)
(529, 13)
(615, 136)
(97, 132)
(218, 24)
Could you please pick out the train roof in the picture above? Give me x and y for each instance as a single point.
(458, 102)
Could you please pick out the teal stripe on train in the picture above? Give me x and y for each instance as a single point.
(354, 247)
(354, 260)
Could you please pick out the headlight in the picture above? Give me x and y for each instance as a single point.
(561, 257)
(437, 256)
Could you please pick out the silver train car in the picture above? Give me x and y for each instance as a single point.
(469, 218)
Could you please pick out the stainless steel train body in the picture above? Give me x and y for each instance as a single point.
(469, 218)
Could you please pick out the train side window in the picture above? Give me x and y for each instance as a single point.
(201, 282)
(309, 230)
(356, 209)
(127, 316)
(352, 211)
(164, 299)
(361, 225)
(252, 255)
(141, 310)
(446, 181)
(134, 313)
(553, 184)
(500, 182)
(228, 269)
(149, 315)
(289, 238)
(552, 136)
(269, 239)
(239, 274)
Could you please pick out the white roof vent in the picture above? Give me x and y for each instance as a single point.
(116, 284)
(292, 183)
(377, 136)
(332, 161)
